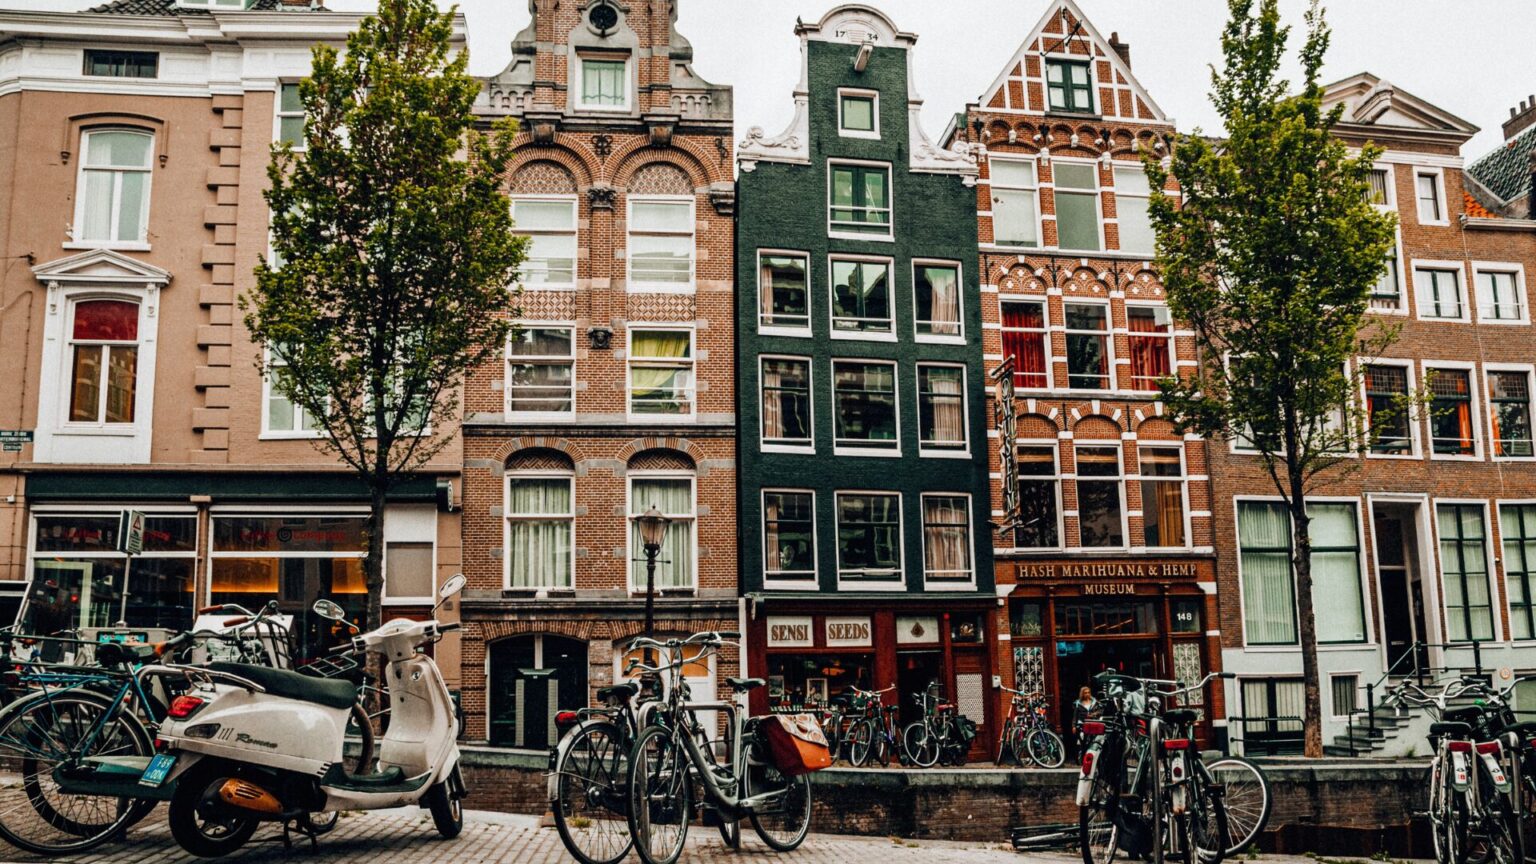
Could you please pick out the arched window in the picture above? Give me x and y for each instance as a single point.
(104, 361)
(112, 201)
(541, 521)
(531, 678)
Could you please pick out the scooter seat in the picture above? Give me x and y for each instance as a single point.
(293, 685)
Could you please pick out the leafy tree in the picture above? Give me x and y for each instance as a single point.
(1270, 258)
(396, 249)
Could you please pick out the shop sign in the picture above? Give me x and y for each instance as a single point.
(1108, 589)
(1112, 570)
(790, 632)
(848, 632)
(917, 630)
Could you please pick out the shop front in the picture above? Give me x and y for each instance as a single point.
(813, 653)
(1069, 620)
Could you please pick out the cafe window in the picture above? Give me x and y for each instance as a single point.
(1106, 619)
(783, 291)
(1151, 343)
(1025, 339)
(869, 537)
(789, 536)
(808, 682)
(81, 580)
(1088, 355)
(1100, 497)
(1163, 496)
(1039, 498)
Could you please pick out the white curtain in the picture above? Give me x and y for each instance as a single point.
(773, 406)
(539, 550)
(1269, 592)
(948, 404)
(1336, 573)
(944, 300)
(946, 538)
(673, 497)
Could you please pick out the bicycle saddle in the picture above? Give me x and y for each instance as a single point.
(1181, 716)
(742, 685)
(120, 653)
(1452, 729)
(623, 691)
(1523, 729)
(1464, 714)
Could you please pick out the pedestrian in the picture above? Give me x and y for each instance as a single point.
(1085, 708)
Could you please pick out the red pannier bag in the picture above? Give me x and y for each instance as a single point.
(796, 743)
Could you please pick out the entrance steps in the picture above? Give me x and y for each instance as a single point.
(1399, 730)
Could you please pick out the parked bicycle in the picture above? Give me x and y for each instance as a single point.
(1027, 736)
(939, 735)
(873, 737)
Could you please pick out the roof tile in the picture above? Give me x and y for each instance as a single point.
(1506, 172)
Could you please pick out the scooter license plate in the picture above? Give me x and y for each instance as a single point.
(159, 769)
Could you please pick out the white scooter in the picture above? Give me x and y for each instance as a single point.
(250, 744)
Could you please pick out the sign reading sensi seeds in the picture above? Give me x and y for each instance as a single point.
(848, 632)
(790, 632)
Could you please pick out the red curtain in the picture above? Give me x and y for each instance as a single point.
(1027, 348)
(1149, 354)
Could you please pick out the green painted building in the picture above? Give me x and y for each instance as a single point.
(865, 542)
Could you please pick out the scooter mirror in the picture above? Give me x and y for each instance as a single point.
(454, 585)
(328, 610)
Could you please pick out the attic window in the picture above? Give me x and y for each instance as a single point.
(858, 113)
(604, 83)
(122, 64)
(1068, 86)
(603, 18)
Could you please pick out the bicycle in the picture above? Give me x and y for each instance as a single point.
(667, 760)
(873, 735)
(588, 779)
(936, 735)
(1027, 733)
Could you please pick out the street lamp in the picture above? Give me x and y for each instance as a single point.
(653, 529)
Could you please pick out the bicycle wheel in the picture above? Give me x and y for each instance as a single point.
(660, 796)
(861, 744)
(1209, 833)
(920, 744)
(1018, 745)
(43, 733)
(1159, 806)
(1501, 827)
(1046, 749)
(784, 821)
(830, 728)
(589, 803)
(1097, 834)
(885, 744)
(1246, 799)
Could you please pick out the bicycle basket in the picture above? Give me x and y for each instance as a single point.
(796, 743)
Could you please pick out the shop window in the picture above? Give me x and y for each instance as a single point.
(789, 536)
(947, 538)
(800, 682)
(1039, 498)
(1088, 356)
(786, 401)
(661, 373)
(858, 113)
(1133, 194)
(1509, 411)
(541, 373)
(1464, 562)
(783, 291)
(531, 678)
(121, 64)
(290, 116)
(674, 496)
(104, 347)
(1077, 205)
(1024, 621)
(1100, 497)
(1451, 432)
(864, 397)
(1015, 203)
(1440, 294)
(113, 196)
(541, 530)
(80, 580)
(604, 84)
(1151, 343)
(859, 200)
(1386, 395)
(869, 537)
(937, 287)
(1068, 86)
(1162, 496)
(941, 407)
(966, 630)
(661, 244)
(1517, 530)
(1134, 617)
(1500, 296)
(861, 296)
(550, 226)
(1269, 588)
(1025, 338)
(408, 571)
(1185, 615)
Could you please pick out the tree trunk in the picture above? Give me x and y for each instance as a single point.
(1306, 621)
(373, 565)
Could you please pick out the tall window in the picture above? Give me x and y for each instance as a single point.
(1450, 412)
(858, 114)
(290, 118)
(604, 83)
(1162, 496)
(1015, 203)
(1336, 572)
(861, 296)
(1468, 602)
(1387, 293)
(1068, 86)
(1509, 409)
(789, 536)
(550, 224)
(1499, 297)
(661, 372)
(1517, 524)
(937, 289)
(284, 416)
(786, 401)
(541, 371)
(121, 64)
(1039, 513)
(1386, 395)
(783, 292)
(113, 199)
(859, 199)
(541, 530)
(1132, 196)
(1378, 193)
(104, 346)
(1269, 587)
(1077, 205)
(1151, 343)
(674, 497)
(1024, 337)
(941, 407)
(1100, 497)
(864, 399)
(1431, 207)
(1087, 326)
(947, 538)
(868, 536)
(1440, 293)
(660, 244)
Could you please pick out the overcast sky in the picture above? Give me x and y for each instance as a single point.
(1470, 57)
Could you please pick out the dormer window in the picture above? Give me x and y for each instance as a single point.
(604, 84)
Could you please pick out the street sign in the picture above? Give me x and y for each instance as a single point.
(12, 439)
(1005, 417)
(131, 532)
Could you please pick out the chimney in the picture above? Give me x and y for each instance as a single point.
(1520, 118)
(1121, 48)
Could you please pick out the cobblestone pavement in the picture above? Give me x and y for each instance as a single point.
(406, 836)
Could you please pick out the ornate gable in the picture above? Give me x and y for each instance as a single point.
(101, 265)
(1372, 101)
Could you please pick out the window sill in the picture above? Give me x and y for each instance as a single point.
(536, 417)
(944, 454)
(1371, 310)
(1437, 319)
(869, 336)
(1074, 115)
(662, 419)
(1504, 322)
(1514, 458)
(107, 244)
(802, 449)
(603, 109)
(869, 584)
(854, 235)
(1397, 456)
(658, 288)
(949, 585)
(407, 601)
(771, 330)
(1446, 457)
(865, 451)
(940, 340)
(290, 436)
(810, 583)
(544, 287)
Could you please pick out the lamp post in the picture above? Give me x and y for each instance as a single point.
(653, 529)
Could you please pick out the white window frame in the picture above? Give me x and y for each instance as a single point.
(634, 554)
(507, 517)
(854, 448)
(66, 369)
(1405, 285)
(886, 335)
(278, 115)
(955, 450)
(1109, 343)
(874, 97)
(635, 286)
(1389, 167)
(994, 187)
(1415, 440)
(898, 578)
(1333, 710)
(409, 524)
(579, 59)
(1419, 292)
(1056, 477)
(1169, 341)
(1098, 202)
(769, 582)
(1438, 174)
(970, 538)
(1529, 371)
(1492, 562)
(939, 338)
(1503, 565)
(268, 394)
(573, 233)
(509, 359)
(774, 445)
(141, 244)
(1114, 176)
(890, 194)
(1044, 330)
(692, 390)
(1120, 478)
(1177, 446)
(1503, 268)
(777, 329)
(1475, 388)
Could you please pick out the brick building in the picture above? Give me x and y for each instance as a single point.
(859, 351)
(617, 394)
(134, 139)
(1106, 562)
(1428, 540)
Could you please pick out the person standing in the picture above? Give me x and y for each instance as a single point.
(1085, 708)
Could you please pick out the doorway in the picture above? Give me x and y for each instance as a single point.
(915, 670)
(531, 678)
(1077, 661)
(1401, 584)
